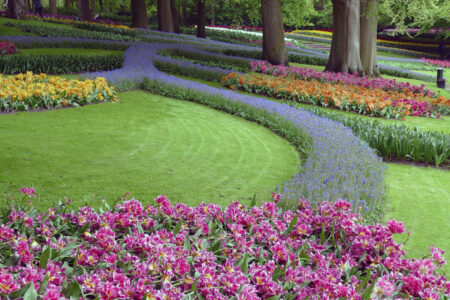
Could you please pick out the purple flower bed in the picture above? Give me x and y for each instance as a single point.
(307, 74)
(339, 165)
(172, 251)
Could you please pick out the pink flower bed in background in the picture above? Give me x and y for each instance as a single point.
(171, 251)
(345, 78)
(7, 48)
(437, 62)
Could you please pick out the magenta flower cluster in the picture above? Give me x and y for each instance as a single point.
(437, 62)
(175, 251)
(7, 48)
(423, 109)
(345, 78)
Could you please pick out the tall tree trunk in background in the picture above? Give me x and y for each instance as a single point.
(183, 12)
(368, 37)
(213, 13)
(274, 47)
(85, 10)
(158, 13)
(66, 3)
(79, 12)
(92, 3)
(15, 9)
(52, 4)
(27, 6)
(165, 16)
(100, 3)
(176, 23)
(344, 54)
(201, 19)
(139, 14)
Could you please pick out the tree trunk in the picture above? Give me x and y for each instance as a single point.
(66, 3)
(183, 13)
(139, 17)
(368, 37)
(92, 3)
(213, 14)
(100, 3)
(85, 10)
(344, 54)
(165, 16)
(201, 19)
(176, 24)
(15, 9)
(79, 12)
(52, 4)
(27, 5)
(274, 48)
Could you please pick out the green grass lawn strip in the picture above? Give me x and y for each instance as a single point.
(146, 145)
(420, 197)
(69, 51)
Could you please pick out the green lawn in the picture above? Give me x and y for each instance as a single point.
(420, 197)
(73, 51)
(145, 144)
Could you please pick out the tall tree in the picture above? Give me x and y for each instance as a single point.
(15, 9)
(165, 19)
(213, 13)
(92, 3)
(176, 23)
(139, 17)
(344, 53)
(201, 18)
(27, 5)
(368, 37)
(183, 12)
(53, 9)
(274, 48)
(85, 10)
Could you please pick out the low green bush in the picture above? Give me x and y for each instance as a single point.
(102, 28)
(58, 64)
(395, 141)
(211, 60)
(172, 68)
(26, 44)
(42, 30)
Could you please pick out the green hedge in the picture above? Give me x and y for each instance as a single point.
(42, 30)
(73, 44)
(58, 64)
(188, 71)
(210, 60)
(103, 28)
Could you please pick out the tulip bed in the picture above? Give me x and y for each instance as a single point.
(178, 252)
(371, 102)
(7, 48)
(31, 91)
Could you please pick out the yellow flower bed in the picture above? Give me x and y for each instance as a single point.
(70, 22)
(31, 91)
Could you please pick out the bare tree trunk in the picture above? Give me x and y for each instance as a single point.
(176, 24)
(66, 3)
(52, 4)
(79, 12)
(92, 3)
(139, 14)
(158, 14)
(27, 5)
(100, 3)
(183, 12)
(15, 9)
(213, 13)
(165, 16)
(274, 48)
(85, 10)
(201, 19)
(368, 37)
(344, 54)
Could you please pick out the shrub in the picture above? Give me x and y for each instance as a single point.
(59, 63)
(28, 91)
(178, 252)
(7, 48)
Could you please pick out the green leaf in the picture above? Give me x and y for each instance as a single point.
(45, 255)
(30, 294)
(253, 203)
(322, 235)
(177, 228)
(274, 297)
(291, 225)
(20, 292)
(44, 284)
(74, 289)
(194, 285)
(368, 292)
(139, 227)
(187, 243)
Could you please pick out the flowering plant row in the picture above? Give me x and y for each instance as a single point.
(72, 21)
(344, 78)
(7, 48)
(30, 91)
(378, 103)
(437, 62)
(179, 252)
